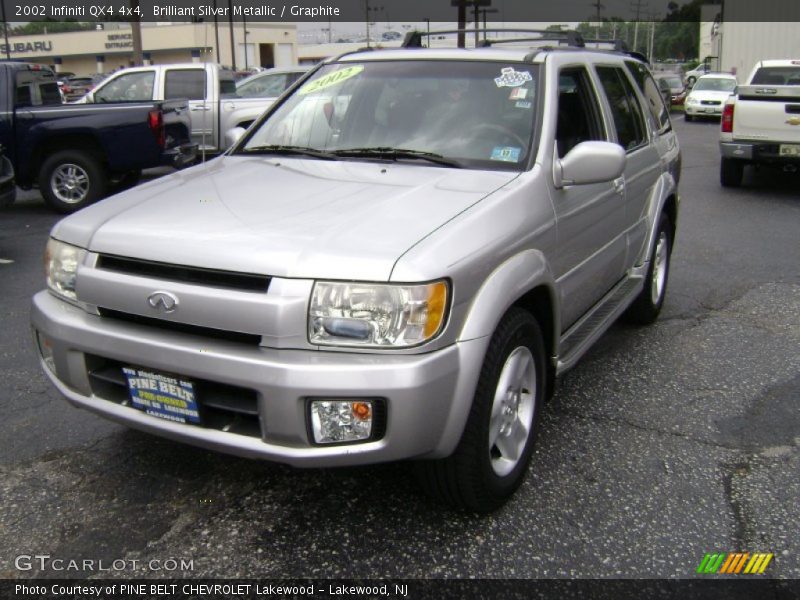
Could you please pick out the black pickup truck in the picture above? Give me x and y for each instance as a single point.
(77, 154)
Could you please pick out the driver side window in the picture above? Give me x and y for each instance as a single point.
(131, 87)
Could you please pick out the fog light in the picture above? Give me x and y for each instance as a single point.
(46, 351)
(338, 421)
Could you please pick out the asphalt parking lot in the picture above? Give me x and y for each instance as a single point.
(664, 443)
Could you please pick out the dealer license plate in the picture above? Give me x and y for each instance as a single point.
(790, 150)
(164, 396)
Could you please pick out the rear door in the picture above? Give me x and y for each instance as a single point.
(643, 164)
(194, 85)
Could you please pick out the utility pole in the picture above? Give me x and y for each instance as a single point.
(598, 7)
(230, 22)
(136, 34)
(637, 6)
(5, 29)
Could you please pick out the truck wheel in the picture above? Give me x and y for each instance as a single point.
(493, 454)
(731, 172)
(72, 179)
(647, 306)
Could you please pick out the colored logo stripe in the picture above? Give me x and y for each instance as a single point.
(735, 563)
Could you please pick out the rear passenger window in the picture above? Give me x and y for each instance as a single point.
(625, 108)
(578, 111)
(185, 83)
(649, 88)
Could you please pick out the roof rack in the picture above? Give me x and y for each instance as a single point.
(413, 39)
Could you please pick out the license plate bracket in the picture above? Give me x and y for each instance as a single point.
(169, 397)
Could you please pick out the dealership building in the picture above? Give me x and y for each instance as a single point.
(111, 46)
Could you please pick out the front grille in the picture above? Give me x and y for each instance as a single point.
(247, 282)
(222, 407)
(249, 339)
(711, 102)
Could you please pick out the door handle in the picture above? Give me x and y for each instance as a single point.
(199, 108)
(619, 185)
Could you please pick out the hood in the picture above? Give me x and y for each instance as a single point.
(284, 217)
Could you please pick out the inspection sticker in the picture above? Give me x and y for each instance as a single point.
(506, 153)
(511, 78)
(523, 104)
(519, 93)
(330, 79)
(162, 395)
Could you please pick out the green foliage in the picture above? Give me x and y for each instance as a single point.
(50, 26)
(677, 36)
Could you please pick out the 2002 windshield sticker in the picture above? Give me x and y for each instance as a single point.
(330, 79)
(511, 78)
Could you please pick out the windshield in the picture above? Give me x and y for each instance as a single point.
(715, 84)
(476, 114)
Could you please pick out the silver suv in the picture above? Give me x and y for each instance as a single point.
(396, 262)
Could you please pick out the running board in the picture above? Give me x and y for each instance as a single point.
(580, 337)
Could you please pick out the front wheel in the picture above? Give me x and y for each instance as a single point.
(493, 454)
(687, 117)
(72, 179)
(647, 306)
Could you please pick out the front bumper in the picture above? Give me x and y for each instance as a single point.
(701, 110)
(427, 396)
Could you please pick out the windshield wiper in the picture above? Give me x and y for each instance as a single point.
(290, 150)
(396, 154)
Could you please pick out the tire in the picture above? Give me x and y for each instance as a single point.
(687, 117)
(731, 172)
(647, 306)
(72, 179)
(481, 474)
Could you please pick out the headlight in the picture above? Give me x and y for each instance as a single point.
(61, 266)
(691, 100)
(376, 315)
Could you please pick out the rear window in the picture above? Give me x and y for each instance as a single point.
(777, 76)
(185, 83)
(36, 88)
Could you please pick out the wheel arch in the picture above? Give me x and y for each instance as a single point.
(524, 280)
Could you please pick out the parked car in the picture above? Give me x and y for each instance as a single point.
(270, 83)
(690, 77)
(403, 277)
(761, 122)
(8, 188)
(677, 91)
(74, 88)
(708, 95)
(214, 105)
(79, 154)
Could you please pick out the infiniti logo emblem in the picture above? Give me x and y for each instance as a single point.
(163, 301)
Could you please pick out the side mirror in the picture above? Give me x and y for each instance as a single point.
(589, 162)
(233, 135)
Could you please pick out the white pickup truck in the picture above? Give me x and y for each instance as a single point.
(214, 105)
(761, 121)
